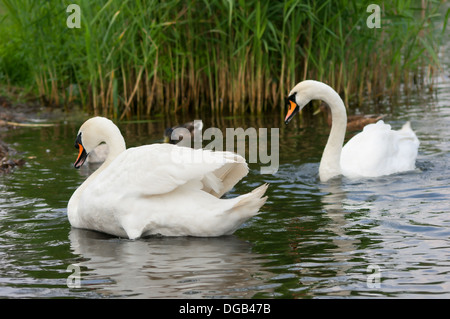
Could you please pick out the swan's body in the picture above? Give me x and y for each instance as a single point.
(376, 151)
(158, 189)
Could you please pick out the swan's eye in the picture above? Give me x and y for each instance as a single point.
(78, 142)
(290, 99)
(292, 108)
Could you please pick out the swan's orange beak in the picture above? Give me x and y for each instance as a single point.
(82, 155)
(292, 110)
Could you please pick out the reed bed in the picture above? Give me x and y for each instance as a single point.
(223, 56)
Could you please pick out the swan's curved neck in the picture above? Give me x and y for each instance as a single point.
(116, 145)
(330, 163)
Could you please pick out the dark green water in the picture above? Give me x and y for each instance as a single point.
(310, 240)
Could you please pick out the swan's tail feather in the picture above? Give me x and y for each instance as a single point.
(250, 203)
(406, 126)
(407, 133)
(243, 208)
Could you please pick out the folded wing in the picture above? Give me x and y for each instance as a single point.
(160, 168)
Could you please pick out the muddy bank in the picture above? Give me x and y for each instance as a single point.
(13, 114)
(7, 158)
(16, 113)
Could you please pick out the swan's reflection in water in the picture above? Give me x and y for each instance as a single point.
(169, 267)
(345, 244)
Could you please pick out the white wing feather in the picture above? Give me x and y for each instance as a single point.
(161, 168)
(378, 150)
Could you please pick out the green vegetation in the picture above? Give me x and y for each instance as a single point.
(145, 57)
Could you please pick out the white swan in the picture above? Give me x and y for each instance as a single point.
(158, 189)
(376, 151)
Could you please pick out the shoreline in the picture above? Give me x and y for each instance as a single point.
(13, 114)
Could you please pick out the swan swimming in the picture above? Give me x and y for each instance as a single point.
(158, 188)
(376, 151)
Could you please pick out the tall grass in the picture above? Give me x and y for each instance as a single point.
(228, 56)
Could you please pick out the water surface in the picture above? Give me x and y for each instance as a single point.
(380, 237)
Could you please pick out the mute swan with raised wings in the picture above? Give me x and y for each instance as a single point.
(376, 151)
(158, 189)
